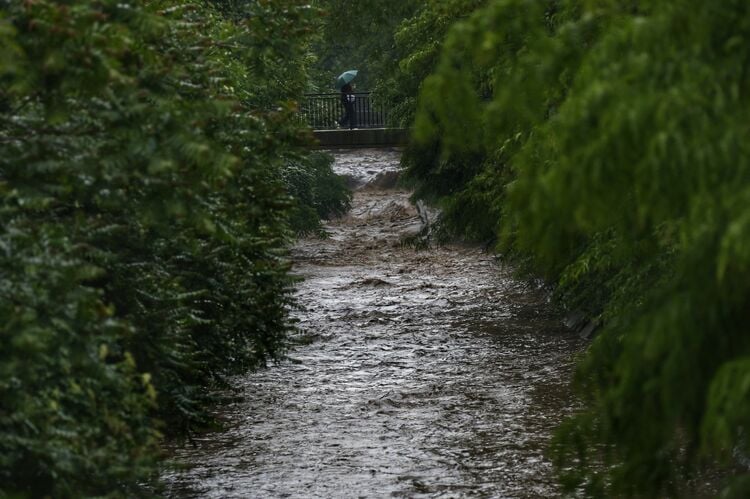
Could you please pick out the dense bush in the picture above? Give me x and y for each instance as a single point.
(143, 222)
(604, 144)
(317, 193)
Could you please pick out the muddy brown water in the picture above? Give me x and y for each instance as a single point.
(430, 373)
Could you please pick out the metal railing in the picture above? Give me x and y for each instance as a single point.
(323, 111)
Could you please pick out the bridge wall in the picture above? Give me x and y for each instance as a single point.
(362, 138)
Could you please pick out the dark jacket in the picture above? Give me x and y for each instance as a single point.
(347, 95)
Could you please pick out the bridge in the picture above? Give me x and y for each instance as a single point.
(322, 112)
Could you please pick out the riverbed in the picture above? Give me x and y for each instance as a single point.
(423, 372)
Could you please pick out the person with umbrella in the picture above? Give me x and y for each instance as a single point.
(347, 98)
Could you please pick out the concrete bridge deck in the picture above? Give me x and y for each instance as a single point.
(361, 137)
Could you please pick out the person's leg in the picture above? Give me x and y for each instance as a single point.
(351, 115)
(344, 118)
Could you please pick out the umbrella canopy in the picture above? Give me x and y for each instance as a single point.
(346, 77)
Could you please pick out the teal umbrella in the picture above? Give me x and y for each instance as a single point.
(346, 77)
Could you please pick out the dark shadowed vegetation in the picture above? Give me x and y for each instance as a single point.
(356, 35)
(152, 171)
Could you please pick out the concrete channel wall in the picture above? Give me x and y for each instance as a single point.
(362, 137)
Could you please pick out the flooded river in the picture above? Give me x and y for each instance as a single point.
(426, 373)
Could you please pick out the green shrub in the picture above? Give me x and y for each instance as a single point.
(143, 225)
(317, 192)
(74, 416)
(614, 161)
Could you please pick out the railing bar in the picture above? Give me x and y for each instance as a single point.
(322, 110)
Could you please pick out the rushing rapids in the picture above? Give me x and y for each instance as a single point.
(424, 373)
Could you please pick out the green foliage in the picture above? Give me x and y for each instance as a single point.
(610, 149)
(453, 159)
(356, 35)
(417, 43)
(75, 410)
(317, 192)
(143, 224)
